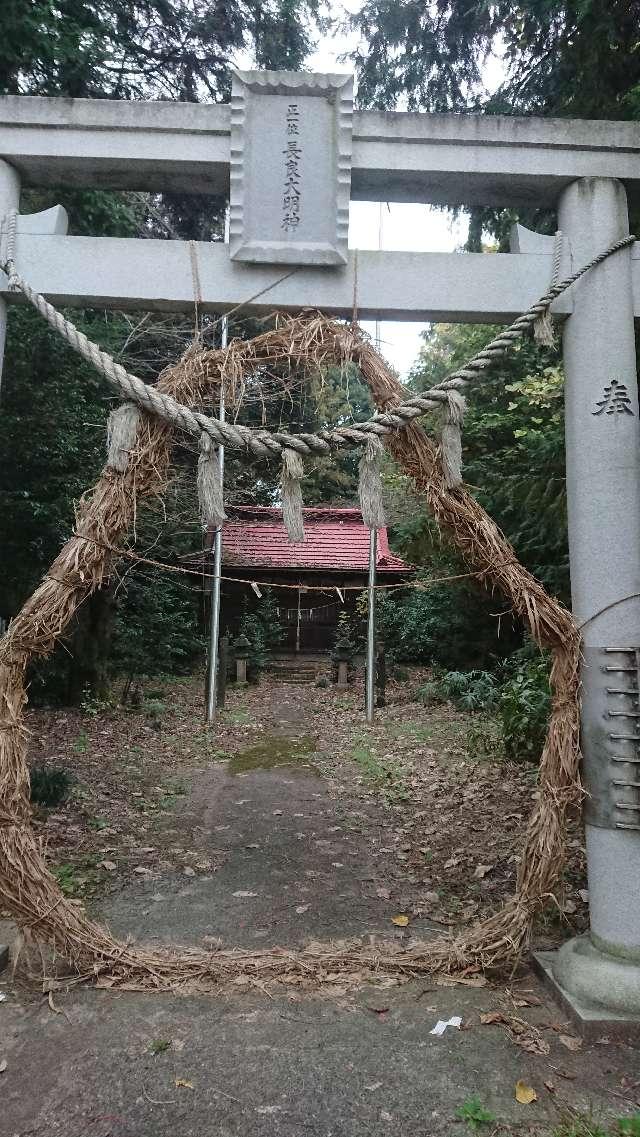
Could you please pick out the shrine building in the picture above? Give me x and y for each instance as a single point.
(315, 581)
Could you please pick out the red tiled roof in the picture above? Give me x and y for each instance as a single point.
(255, 537)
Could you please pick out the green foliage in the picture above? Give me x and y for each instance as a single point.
(586, 1125)
(260, 623)
(50, 785)
(349, 637)
(561, 57)
(145, 49)
(156, 627)
(470, 690)
(450, 626)
(513, 444)
(382, 774)
(474, 1114)
(524, 707)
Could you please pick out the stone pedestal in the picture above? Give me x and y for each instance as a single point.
(343, 673)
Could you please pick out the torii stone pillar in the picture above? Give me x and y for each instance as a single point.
(603, 497)
(9, 199)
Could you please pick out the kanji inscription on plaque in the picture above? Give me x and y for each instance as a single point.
(290, 168)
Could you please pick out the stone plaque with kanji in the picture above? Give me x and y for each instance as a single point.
(290, 167)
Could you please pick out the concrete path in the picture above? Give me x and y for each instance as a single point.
(292, 863)
(295, 863)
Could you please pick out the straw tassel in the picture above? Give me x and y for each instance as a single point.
(210, 485)
(451, 440)
(292, 472)
(543, 329)
(370, 484)
(122, 428)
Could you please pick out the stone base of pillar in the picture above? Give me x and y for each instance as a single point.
(600, 993)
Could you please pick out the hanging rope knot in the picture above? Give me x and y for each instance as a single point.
(370, 484)
(122, 428)
(451, 439)
(210, 495)
(292, 473)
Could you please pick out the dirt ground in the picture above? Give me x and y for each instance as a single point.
(293, 821)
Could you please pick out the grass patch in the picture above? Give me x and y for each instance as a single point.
(474, 1114)
(76, 879)
(586, 1125)
(412, 730)
(381, 774)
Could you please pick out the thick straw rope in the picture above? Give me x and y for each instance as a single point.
(265, 443)
(28, 890)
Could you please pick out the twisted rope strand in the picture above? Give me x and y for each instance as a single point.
(264, 443)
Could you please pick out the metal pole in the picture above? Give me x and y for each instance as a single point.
(214, 631)
(370, 677)
(9, 199)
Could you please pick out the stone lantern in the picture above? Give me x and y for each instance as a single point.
(241, 649)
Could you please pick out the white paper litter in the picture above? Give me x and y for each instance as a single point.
(441, 1025)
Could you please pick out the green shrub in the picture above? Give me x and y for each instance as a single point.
(431, 693)
(470, 690)
(49, 785)
(524, 707)
(260, 623)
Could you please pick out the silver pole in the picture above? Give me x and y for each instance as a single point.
(370, 678)
(214, 630)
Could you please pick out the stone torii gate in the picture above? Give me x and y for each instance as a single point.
(290, 154)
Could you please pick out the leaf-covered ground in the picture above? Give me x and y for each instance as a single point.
(442, 825)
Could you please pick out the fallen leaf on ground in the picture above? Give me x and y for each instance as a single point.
(301, 909)
(184, 1084)
(400, 921)
(492, 1017)
(550, 1086)
(3, 1066)
(525, 1094)
(108, 865)
(570, 1041)
(481, 871)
